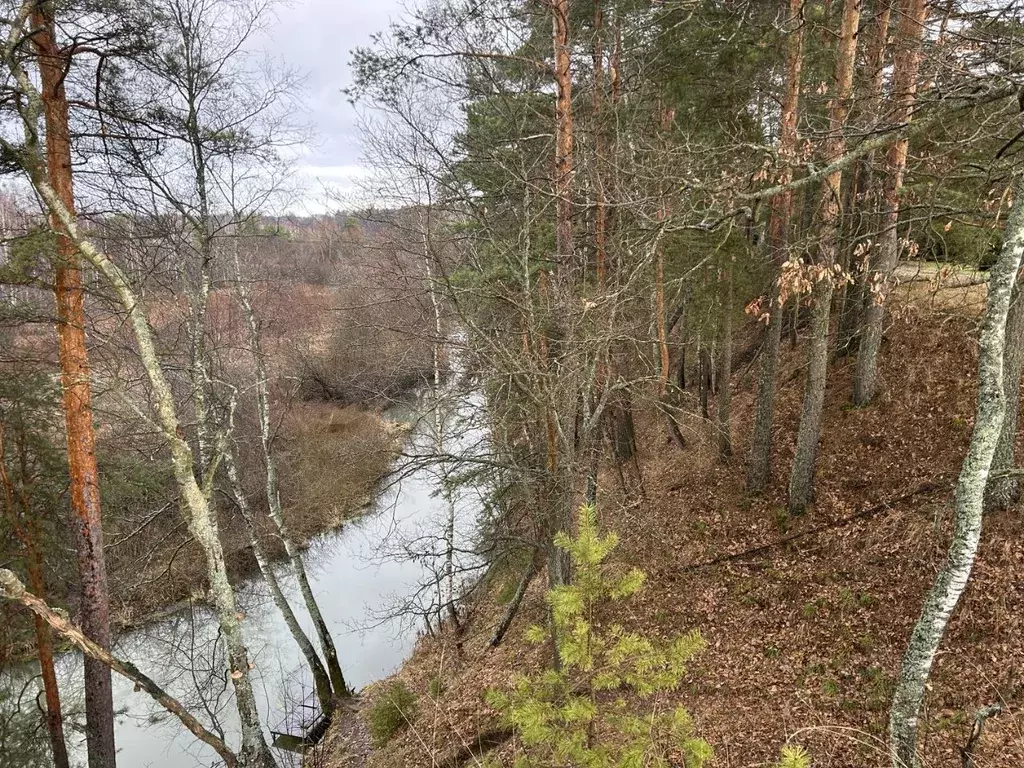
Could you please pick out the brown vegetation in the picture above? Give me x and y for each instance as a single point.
(805, 618)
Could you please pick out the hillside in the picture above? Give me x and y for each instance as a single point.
(806, 619)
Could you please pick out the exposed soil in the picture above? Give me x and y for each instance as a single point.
(347, 741)
(806, 619)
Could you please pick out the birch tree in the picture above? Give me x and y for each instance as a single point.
(969, 497)
(1003, 487)
(321, 680)
(273, 495)
(200, 518)
(11, 588)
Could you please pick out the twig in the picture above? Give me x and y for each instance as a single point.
(11, 588)
(983, 714)
(885, 506)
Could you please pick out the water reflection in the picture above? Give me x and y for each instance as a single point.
(366, 577)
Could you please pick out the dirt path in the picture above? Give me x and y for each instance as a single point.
(947, 275)
(348, 741)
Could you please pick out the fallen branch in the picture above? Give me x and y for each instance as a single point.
(983, 714)
(513, 606)
(12, 589)
(885, 506)
(480, 745)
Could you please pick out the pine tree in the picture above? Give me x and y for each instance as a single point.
(578, 715)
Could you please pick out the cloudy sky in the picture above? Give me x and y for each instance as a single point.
(316, 37)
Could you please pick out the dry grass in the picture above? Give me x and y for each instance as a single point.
(331, 461)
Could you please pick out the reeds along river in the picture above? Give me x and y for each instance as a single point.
(360, 574)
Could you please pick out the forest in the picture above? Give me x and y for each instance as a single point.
(647, 394)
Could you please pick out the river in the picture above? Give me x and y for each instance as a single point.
(361, 575)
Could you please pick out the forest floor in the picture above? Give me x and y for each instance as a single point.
(806, 619)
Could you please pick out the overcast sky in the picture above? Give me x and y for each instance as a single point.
(316, 37)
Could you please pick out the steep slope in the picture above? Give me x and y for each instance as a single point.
(806, 619)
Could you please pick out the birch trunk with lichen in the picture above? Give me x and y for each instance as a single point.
(12, 589)
(199, 517)
(969, 498)
(321, 680)
(276, 513)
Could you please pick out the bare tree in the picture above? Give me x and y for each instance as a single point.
(201, 521)
(12, 589)
(273, 494)
(321, 680)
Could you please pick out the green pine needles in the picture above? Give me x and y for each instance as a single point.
(578, 715)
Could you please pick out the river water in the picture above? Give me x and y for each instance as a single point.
(362, 575)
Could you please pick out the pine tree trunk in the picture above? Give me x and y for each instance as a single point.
(851, 317)
(779, 222)
(25, 523)
(560, 514)
(77, 397)
(600, 151)
(801, 479)
(44, 652)
(759, 461)
(723, 406)
(952, 579)
(564, 169)
(885, 257)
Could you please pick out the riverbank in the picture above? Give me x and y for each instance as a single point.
(356, 443)
(156, 571)
(361, 575)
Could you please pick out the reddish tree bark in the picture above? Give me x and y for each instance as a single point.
(906, 64)
(600, 151)
(563, 138)
(801, 478)
(25, 525)
(865, 185)
(77, 397)
(759, 462)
